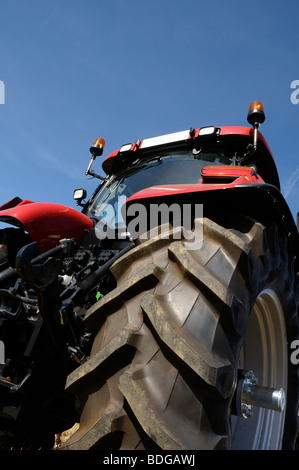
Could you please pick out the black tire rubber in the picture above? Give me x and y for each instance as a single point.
(163, 369)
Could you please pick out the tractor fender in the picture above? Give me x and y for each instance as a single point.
(46, 223)
(257, 200)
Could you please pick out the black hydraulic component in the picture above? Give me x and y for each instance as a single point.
(44, 273)
(40, 269)
(7, 276)
(41, 272)
(91, 280)
(10, 305)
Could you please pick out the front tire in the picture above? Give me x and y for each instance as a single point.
(171, 339)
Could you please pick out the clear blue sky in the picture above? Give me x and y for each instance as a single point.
(75, 70)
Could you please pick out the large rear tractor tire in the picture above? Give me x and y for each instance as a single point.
(185, 321)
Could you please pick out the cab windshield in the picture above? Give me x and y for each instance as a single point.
(161, 169)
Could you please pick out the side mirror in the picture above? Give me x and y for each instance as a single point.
(79, 195)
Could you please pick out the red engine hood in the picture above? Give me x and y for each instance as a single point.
(46, 223)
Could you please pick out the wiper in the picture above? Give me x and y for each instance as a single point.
(138, 167)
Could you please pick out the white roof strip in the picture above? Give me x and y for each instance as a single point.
(165, 139)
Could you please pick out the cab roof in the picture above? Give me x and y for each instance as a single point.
(236, 139)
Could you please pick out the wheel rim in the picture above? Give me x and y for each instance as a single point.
(264, 352)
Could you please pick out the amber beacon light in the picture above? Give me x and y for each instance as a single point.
(255, 117)
(97, 147)
(96, 150)
(256, 114)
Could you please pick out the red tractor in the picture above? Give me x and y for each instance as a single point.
(164, 314)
